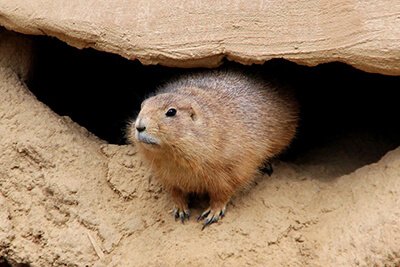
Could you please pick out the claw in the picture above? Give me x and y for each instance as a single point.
(222, 213)
(211, 216)
(181, 214)
(175, 213)
(184, 215)
(209, 221)
(203, 215)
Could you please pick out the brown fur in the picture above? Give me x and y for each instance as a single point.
(227, 124)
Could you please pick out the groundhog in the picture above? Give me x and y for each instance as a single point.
(210, 132)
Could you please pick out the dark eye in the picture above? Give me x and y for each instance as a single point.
(171, 112)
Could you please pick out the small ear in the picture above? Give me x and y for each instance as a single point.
(193, 113)
(142, 104)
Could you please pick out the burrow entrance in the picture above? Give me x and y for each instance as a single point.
(346, 113)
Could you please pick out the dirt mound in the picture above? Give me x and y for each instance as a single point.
(68, 198)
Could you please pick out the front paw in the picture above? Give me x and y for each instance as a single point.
(180, 210)
(210, 216)
(182, 214)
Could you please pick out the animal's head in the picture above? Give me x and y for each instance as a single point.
(164, 120)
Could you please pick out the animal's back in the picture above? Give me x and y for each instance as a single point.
(249, 112)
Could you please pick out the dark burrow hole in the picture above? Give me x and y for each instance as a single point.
(102, 91)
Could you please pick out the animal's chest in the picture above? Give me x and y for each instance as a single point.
(187, 180)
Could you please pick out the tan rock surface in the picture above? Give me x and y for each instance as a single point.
(363, 33)
(69, 199)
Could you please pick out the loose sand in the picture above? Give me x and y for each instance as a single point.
(70, 199)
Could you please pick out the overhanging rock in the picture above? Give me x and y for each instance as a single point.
(362, 33)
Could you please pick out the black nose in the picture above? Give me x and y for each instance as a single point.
(140, 128)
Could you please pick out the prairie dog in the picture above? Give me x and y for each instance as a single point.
(209, 132)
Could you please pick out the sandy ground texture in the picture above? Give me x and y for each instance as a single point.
(69, 199)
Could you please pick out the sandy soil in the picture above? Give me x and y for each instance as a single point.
(69, 199)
